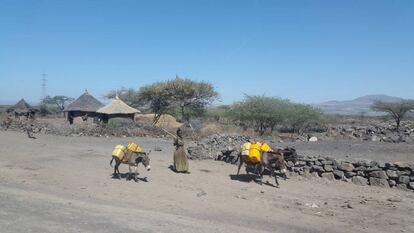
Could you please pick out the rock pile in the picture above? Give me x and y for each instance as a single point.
(93, 130)
(217, 146)
(364, 172)
(381, 133)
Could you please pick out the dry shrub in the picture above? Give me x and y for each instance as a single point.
(166, 120)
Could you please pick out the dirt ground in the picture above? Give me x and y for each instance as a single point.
(64, 184)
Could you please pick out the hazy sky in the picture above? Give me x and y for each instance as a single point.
(307, 51)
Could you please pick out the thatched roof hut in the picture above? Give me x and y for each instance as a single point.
(22, 107)
(85, 103)
(85, 106)
(117, 108)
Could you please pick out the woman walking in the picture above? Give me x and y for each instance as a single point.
(180, 157)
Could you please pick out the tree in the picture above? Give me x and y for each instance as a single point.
(260, 112)
(302, 117)
(157, 98)
(60, 101)
(190, 97)
(129, 96)
(397, 110)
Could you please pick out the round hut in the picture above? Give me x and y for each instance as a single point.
(22, 108)
(85, 106)
(117, 109)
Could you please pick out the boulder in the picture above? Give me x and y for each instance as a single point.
(360, 173)
(313, 139)
(318, 163)
(328, 175)
(379, 174)
(392, 174)
(345, 166)
(350, 174)
(411, 185)
(378, 182)
(404, 179)
(392, 183)
(411, 178)
(327, 162)
(373, 164)
(317, 168)
(381, 164)
(328, 168)
(360, 168)
(403, 173)
(338, 174)
(365, 163)
(370, 169)
(359, 180)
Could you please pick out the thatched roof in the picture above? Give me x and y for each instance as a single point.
(117, 107)
(22, 106)
(85, 103)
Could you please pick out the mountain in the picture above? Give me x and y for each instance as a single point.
(356, 106)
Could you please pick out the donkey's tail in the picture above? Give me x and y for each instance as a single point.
(110, 163)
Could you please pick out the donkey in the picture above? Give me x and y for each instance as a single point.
(132, 159)
(272, 160)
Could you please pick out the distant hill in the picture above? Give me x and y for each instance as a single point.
(356, 106)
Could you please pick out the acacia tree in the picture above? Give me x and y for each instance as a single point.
(190, 97)
(397, 110)
(59, 100)
(157, 99)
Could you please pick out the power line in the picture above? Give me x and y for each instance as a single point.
(44, 85)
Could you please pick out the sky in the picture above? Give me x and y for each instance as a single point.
(308, 51)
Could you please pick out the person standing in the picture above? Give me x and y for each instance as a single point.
(180, 157)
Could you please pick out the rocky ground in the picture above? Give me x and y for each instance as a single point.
(64, 184)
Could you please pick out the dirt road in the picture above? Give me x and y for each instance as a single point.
(64, 184)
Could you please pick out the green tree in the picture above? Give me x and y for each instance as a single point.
(190, 97)
(60, 101)
(156, 98)
(302, 117)
(397, 110)
(260, 112)
(217, 113)
(128, 95)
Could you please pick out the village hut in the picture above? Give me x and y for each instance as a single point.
(117, 109)
(22, 108)
(85, 106)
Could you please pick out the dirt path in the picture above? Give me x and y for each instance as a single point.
(64, 184)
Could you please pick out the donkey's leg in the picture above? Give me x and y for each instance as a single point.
(240, 165)
(136, 173)
(273, 174)
(117, 172)
(261, 171)
(129, 173)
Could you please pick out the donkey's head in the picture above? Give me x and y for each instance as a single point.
(144, 159)
(290, 154)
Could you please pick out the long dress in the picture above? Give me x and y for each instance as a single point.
(180, 157)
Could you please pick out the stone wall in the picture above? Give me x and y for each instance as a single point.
(364, 172)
